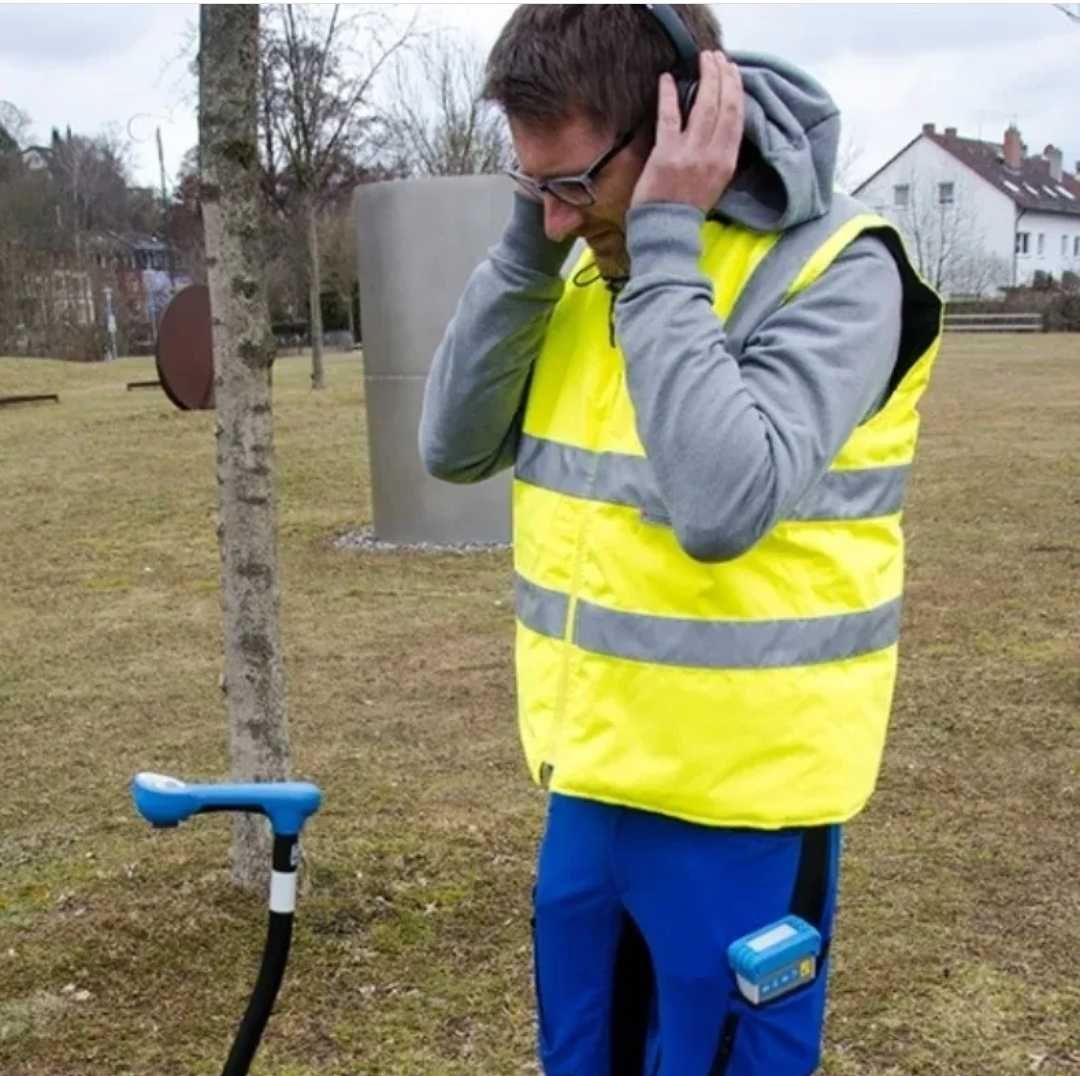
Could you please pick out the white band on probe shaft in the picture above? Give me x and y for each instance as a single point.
(283, 891)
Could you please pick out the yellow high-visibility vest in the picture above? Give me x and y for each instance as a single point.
(751, 692)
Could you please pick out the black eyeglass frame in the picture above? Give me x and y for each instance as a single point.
(587, 179)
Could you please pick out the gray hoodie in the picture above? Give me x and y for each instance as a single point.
(735, 432)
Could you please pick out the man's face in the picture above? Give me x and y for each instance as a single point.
(569, 149)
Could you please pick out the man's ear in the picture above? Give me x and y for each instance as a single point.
(643, 142)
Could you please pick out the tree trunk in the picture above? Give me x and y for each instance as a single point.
(347, 300)
(318, 378)
(254, 677)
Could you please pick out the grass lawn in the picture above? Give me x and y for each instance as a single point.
(125, 951)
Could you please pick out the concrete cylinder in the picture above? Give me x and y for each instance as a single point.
(418, 241)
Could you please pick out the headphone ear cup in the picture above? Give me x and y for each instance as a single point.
(687, 91)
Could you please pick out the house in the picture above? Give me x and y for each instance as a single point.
(978, 216)
(145, 282)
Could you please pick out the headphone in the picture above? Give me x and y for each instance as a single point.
(685, 69)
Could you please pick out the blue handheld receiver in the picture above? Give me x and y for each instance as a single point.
(165, 801)
(775, 959)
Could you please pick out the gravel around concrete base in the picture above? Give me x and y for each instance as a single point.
(364, 541)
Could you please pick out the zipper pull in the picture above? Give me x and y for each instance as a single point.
(546, 770)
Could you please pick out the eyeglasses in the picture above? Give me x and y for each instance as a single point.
(579, 190)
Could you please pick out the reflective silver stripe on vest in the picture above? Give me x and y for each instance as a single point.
(615, 478)
(542, 610)
(857, 494)
(599, 476)
(710, 644)
(733, 644)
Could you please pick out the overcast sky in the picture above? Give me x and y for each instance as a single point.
(891, 67)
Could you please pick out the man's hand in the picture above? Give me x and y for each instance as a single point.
(695, 166)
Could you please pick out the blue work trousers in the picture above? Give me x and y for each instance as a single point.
(634, 913)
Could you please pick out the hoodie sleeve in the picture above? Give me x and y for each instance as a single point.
(735, 444)
(473, 400)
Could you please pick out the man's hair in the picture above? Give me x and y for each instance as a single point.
(603, 61)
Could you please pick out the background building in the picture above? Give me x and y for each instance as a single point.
(979, 216)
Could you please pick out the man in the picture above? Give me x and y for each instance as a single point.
(711, 425)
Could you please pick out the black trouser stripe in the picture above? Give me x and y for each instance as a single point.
(812, 878)
(631, 1001)
(726, 1045)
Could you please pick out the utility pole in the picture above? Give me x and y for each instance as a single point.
(164, 213)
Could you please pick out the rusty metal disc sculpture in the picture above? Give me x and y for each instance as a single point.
(185, 354)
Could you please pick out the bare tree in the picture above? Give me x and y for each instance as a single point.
(62, 205)
(24, 195)
(944, 234)
(337, 241)
(254, 675)
(287, 267)
(1070, 11)
(184, 226)
(437, 125)
(316, 89)
(14, 127)
(89, 181)
(848, 155)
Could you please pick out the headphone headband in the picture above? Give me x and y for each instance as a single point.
(686, 66)
(686, 50)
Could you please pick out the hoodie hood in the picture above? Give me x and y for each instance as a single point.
(786, 165)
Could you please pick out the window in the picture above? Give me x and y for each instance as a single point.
(1076, 247)
(1031, 190)
(1042, 243)
(900, 194)
(1064, 245)
(945, 194)
(1022, 240)
(1050, 191)
(1012, 186)
(1065, 193)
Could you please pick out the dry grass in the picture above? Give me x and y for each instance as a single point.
(124, 951)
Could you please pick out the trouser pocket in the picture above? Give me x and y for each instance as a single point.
(778, 1038)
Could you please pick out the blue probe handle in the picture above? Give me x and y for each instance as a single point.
(165, 801)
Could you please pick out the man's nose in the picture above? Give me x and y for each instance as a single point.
(560, 219)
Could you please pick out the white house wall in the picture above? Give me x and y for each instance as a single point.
(1054, 228)
(925, 164)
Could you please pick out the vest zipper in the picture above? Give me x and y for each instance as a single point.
(547, 766)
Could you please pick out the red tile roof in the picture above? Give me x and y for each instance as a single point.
(987, 160)
(1031, 182)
